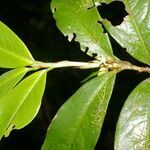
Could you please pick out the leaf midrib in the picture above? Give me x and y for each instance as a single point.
(15, 55)
(97, 41)
(137, 29)
(85, 112)
(102, 52)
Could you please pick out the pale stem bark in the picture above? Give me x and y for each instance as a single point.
(116, 65)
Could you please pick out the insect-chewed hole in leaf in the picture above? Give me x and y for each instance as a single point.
(113, 12)
(94, 55)
(71, 37)
(74, 36)
(86, 50)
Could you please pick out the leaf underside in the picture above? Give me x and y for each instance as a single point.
(13, 52)
(21, 104)
(78, 123)
(78, 19)
(133, 33)
(133, 127)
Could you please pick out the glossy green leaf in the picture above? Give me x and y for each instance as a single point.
(133, 33)
(20, 105)
(13, 52)
(133, 128)
(77, 124)
(9, 79)
(98, 2)
(78, 19)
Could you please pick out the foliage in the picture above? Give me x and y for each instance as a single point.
(78, 123)
(133, 33)
(133, 125)
(13, 48)
(81, 126)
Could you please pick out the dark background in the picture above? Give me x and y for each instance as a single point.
(33, 22)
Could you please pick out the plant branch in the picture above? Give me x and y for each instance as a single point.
(61, 64)
(107, 66)
(125, 65)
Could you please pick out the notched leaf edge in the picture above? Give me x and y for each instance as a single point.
(72, 37)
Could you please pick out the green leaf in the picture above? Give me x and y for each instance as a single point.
(133, 32)
(101, 1)
(21, 104)
(9, 79)
(133, 127)
(13, 52)
(78, 19)
(77, 124)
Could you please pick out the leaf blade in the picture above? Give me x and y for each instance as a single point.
(13, 52)
(79, 21)
(133, 33)
(133, 128)
(9, 79)
(23, 101)
(77, 124)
